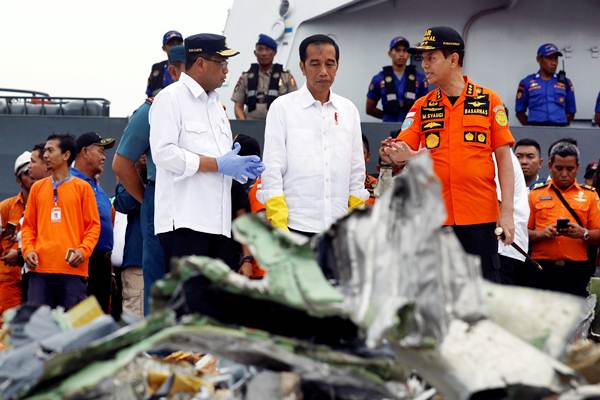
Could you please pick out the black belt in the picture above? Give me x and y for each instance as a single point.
(562, 263)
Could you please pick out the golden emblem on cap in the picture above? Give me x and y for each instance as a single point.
(481, 138)
(469, 136)
(388, 78)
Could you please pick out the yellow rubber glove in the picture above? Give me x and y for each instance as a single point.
(354, 202)
(277, 212)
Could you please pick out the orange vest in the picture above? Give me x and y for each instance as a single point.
(255, 205)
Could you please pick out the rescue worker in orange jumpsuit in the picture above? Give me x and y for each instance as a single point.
(11, 212)
(560, 237)
(461, 124)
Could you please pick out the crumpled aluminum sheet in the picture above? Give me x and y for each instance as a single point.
(394, 259)
(480, 357)
(547, 320)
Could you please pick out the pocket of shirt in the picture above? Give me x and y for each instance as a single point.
(543, 205)
(195, 127)
(194, 136)
(476, 131)
(537, 97)
(302, 143)
(560, 97)
(581, 208)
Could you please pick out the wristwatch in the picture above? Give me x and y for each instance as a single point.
(586, 234)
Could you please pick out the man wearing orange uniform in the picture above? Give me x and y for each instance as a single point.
(562, 247)
(461, 124)
(11, 212)
(60, 229)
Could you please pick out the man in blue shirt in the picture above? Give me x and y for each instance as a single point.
(159, 77)
(397, 85)
(546, 98)
(89, 165)
(135, 142)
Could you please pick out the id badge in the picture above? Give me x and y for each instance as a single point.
(55, 215)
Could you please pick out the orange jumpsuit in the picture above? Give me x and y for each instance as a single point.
(11, 211)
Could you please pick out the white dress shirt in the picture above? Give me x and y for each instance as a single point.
(520, 214)
(185, 123)
(314, 156)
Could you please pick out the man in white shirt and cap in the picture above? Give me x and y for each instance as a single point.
(313, 155)
(191, 144)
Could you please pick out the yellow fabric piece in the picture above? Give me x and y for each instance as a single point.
(84, 312)
(354, 202)
(277, 212)
(181, 383)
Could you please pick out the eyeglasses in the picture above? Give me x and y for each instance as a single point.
(222, 62)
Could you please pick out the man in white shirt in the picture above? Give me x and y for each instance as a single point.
(315, 169)
(512, 267)
(190, 140)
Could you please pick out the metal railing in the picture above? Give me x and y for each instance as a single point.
(30, 102)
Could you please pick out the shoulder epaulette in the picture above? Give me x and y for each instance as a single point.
(589, 187)
(149, 100)
(539, 185)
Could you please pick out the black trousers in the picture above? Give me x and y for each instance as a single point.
(568, 277)
(187, 242)
(56, 289)
(100, 278)
(480, 240)
(510, 270)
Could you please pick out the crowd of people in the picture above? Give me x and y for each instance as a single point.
(183, 176)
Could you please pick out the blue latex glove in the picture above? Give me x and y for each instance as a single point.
(240, 168)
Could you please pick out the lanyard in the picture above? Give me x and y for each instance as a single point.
(55, 186)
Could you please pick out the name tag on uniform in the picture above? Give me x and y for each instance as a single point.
(55, 215)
